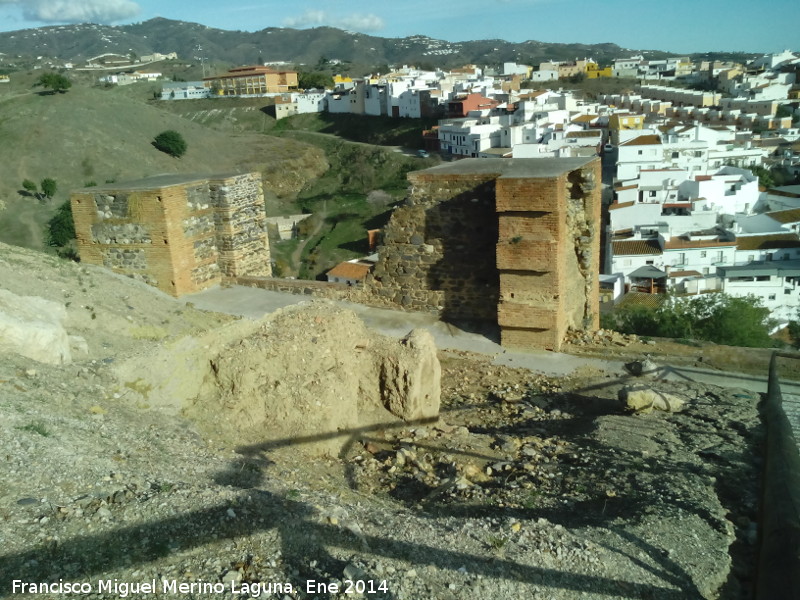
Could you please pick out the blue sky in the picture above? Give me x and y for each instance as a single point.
(676, 26)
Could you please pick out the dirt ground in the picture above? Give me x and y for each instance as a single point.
(527, 486)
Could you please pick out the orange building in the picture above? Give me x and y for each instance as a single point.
(252, 81)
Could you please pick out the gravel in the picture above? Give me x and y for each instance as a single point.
(528, 487)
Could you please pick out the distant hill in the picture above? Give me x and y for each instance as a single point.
(306, 46)
(91, 134)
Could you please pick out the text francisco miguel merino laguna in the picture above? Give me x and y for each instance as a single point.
(122, 589)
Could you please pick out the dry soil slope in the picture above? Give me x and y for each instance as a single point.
(91, 134)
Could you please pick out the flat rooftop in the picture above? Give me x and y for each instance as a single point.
(537, 168)
(155, 182)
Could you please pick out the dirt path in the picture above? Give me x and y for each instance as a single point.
(294, 258)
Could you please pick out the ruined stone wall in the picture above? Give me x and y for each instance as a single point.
(511, 242)
(548, 256)
(438, 249)
(179, 235)
(241, 226)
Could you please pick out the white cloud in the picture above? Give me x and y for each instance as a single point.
(356, 21)
(76, 11)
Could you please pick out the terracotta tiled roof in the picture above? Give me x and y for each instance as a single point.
(768, 242)
(644, 140)
(635, 247)
(639, 299)
(584, 134)
(627, 187)
(584, 119)
(702, 177)
(685, 274)
(620, 205)
(785, 216)
(348, 270)
(680, 244)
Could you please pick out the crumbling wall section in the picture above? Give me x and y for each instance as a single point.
(438, 250)
(178, 234)
(241, 224)
(548, 256)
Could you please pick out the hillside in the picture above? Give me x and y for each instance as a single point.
(306, 46)
(91, 134)
(130, 462)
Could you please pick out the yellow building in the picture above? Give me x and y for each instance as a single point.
(593, 71)
(620, 121)
(252, 81)
(337, 79)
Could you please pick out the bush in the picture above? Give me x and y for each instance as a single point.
(54, 82)
(48, 186)
(61, 231)
(718, 318)
(171, 142)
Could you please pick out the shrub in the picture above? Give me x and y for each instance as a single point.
(718, 317)
(171, 142)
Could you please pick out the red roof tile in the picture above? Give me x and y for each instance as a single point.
(635, 247)
(348, 270)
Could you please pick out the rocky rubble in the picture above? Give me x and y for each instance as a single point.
(525, 487)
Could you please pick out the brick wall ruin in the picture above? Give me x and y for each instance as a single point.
(178, 233)
(514, 242)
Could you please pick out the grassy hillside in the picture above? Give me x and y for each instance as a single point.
(386, 131)
(91, 134)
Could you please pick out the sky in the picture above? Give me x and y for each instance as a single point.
(679, 26)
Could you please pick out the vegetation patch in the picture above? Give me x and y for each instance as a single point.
(717, 317)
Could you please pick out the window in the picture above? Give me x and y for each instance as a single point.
(649, 262)
(771, 297)
(702, 253)
(676, 154)
(787, 291)
(698, 153)
(640, 152)
(652, 194)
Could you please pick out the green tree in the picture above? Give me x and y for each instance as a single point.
(720, 318)
(49, 187)
(61, 232)
(61, 228)
(314, 79)
(30, 187)
(171, 142)
(764, 175)
(54, 82)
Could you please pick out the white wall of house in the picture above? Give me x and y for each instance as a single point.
(188, 90)
(776, 293)
(703, 260)
(626, 264)
(544, 75)
(311, 102)
(743, 257)
(633, 158)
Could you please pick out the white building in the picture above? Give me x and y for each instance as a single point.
(184, 90)
(774, 283)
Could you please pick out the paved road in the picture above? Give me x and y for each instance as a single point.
(255, 303)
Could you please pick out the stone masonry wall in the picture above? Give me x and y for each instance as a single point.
(438, 249)
(548, 256)
(176, 233)
(511, 242)
(241, 225)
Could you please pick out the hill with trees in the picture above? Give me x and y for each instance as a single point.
(300, 46)
(94, 135)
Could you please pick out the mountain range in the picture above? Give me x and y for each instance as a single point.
(191, 41)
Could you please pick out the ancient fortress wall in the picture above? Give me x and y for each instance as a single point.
(515, 242)
(178, 233)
